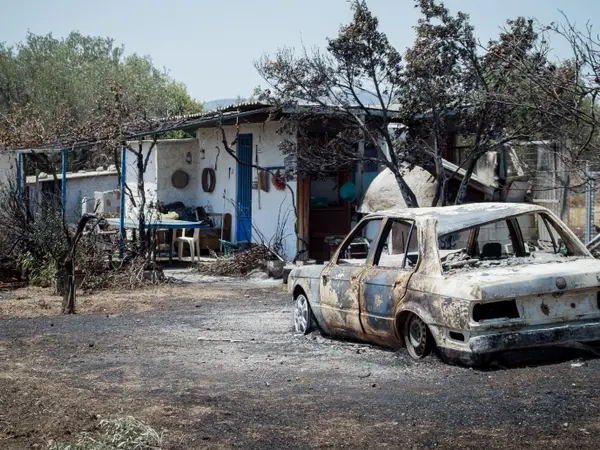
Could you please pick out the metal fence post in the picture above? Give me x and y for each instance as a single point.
(590, 198)
(20, 175)
(593, 204)
(65, 156)
(122, 206)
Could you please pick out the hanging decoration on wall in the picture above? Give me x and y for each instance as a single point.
(278, 180)
(188, 157)
(179, 179)
(209, 180)
(263, 180)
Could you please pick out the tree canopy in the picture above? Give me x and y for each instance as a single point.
(74, 72)
(68, 81)
(446, 83)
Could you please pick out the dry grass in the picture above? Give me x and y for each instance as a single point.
(123, 433)
(34, 301)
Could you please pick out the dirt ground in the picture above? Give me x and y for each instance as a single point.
(217, 366)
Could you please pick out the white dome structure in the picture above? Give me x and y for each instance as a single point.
(383, 192)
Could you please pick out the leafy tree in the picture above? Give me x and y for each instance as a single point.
(568, 91)
(447, 84)
(468, 89)
(69, 77)
(360, 67)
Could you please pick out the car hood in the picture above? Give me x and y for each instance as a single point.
(508, 281)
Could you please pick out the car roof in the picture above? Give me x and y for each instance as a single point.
(458, 217)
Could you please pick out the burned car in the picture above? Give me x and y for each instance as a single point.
(469, 281)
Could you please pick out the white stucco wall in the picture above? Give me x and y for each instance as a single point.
(267, 207)
(131, 175)
(171, 156)
(166, 157)
(8, 167)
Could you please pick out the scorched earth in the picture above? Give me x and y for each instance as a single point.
(218, 367)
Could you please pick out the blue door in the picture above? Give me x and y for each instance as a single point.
(244, 188)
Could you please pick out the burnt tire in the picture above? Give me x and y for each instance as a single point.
(417, 337)
(303, 317)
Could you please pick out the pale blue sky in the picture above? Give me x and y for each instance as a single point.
(211, 45)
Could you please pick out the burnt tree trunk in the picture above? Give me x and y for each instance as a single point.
(464, 184)
(68, 269)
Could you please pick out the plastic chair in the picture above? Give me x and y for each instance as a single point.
(193, 241)
(228, 246)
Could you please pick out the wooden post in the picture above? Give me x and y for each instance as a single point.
(303, 216)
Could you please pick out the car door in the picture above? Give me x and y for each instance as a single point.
(340, 279)
(384, 283)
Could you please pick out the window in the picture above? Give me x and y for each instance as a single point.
(356, 248)
(399, 245)
(524, 236)
(550, 240)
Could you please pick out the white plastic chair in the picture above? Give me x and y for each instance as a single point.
(193, 241)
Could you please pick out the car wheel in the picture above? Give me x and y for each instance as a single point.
(417, 338)
(303, 317)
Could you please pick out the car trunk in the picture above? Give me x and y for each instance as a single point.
(535, 293)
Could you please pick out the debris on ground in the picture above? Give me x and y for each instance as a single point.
(579, 364)
(461, 262)
(257, 274)
(239, 263)
(123, 433)
(128, 275)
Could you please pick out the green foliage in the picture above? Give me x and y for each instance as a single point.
(447, 84)
(39, 272)
(36, 238)
(54, 75)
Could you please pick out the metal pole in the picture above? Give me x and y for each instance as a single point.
(122, 208)
(64, 183)
(589, 204)
(20, 175)
(593, 205)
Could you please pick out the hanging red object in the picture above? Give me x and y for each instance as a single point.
(278, 181)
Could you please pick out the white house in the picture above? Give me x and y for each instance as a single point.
(307, 214)
(81, 187)
(235, 185)
(301, 213)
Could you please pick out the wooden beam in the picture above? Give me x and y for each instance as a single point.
(303, 216)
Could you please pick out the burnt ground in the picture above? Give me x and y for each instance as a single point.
(250, 383)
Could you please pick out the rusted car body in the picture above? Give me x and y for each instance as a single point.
(469, 280)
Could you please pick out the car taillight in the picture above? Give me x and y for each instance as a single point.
(506, 309)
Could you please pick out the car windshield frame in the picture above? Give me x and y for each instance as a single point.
(551, 225)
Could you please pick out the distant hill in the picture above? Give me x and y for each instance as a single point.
(214, 104)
